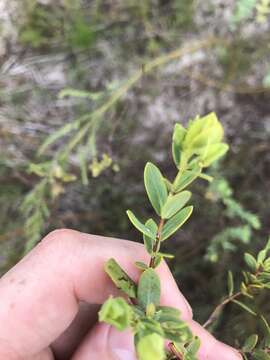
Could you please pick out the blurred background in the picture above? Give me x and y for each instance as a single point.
(90, 91)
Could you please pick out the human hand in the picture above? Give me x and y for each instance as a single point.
(48, 302)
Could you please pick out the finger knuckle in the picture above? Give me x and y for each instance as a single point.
(59, 238)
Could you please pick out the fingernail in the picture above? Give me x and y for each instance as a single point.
(121, 345)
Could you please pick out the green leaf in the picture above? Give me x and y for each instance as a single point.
(244, 290)
(63, 131)
(167, 313)
(176, 325)
(141, 265)
(266, 264)
(264, 277)
(203, 130)
(267, 246)
(185, 178)
(155, 187)
(165, 255)
(266, 331)
(260, 355)
(120, 278)
(177, 331)
(194, 346)
(80, 94)
(150, 325)
(158, 259)
(266, 80)
(116, 312)
(168, 184)
(261, 256)
(206, 177)
(245, 307)
(148, 241)
(250, 343)
(150, 310)
(82, 155)
(213, 153)
(250, 261)
(172, 225)
(151, 347)
(149, 288)
(139, 226)
(243, 10)
(174, 203)
(178, 137)
(230, 283)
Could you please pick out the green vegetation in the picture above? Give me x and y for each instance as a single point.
(45, 26)
(247, 222)
(193, 149)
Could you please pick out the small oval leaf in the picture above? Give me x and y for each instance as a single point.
(185, 179)
(250, 343)
(245, 307)
(141, 265)
(174, 203)
(120, 278)
(176, 222)
(155, 187)
(116, 312)
(151, 347)
(260, 355)
(250, 261)
(214, 152)
(149, 288)
(230, 283)
(148, 241)
(139, 226)
(178, 137)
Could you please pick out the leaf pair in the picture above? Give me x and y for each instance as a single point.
(168, 207)
(150, 228)
(148, 291)
(151, 322)
(174, 203)
(165, 205)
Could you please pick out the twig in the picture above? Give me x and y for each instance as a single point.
(214, 315)
(157, 243)
(175, 352)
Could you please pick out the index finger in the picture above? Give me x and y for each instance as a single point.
(40, 295)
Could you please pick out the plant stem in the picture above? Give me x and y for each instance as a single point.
(161, 224)
(157, 243)
(175, 352)
(214, 315)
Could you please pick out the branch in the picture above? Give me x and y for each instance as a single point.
(157, 243)
(215, 314)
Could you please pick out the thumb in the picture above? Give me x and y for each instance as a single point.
(106, 343)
